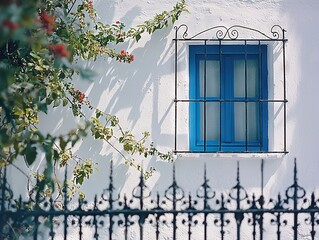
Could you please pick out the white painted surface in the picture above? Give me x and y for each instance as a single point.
(141, 94)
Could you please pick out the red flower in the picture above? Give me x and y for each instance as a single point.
(118, 22)
(10, 25)
(58, 49)
(79, 95)
(47, 21)
(119, 35)
(125, 56)
(88, 5)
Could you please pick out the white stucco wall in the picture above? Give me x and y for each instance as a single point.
(141, 94)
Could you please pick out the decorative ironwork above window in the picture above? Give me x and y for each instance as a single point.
(236, 96)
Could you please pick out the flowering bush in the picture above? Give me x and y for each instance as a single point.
(58, 49)
(47, 22)
(39, 40)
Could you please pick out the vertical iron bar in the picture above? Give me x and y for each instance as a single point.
(220, 95)
(80, 221)
(260, 129)
(295, 227)
(237, 215)
(65, 226)
(285, 100)
(174, 204)
(110, 200)
(278, 226)
(175, 143)
(126, 228)
(189, 217)
(141, 217)
(51, 219)
(312, 217)
(157, 216)
(205, 226)
(111, 224)
(95, 223)
(261, 202)
(254, 226)
(254, 219)
(246, 112)
(205, 95)
(205, 203)
(222, 220)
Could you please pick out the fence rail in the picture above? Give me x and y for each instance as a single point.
(175, 215)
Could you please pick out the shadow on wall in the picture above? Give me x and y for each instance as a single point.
(135, 83)
(123, 87)
(302, 121)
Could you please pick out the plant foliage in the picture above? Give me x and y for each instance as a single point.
(40, 42)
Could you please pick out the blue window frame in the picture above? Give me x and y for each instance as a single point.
(228, 98)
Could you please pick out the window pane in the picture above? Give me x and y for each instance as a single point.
(252, 121)
(252, 113)
(212, 78)
(212, 121)
(252, 78)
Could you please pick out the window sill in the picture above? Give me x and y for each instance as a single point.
(241, 155)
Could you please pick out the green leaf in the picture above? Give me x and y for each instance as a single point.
(30, 154)
(56, 155)
(48, 155)
(4, 138)
(98, 113)
(49, 100)
(62, 144)
(127, 147)
(42, 94)
(65, 102)
(173, 19)
(97, 135)
(57, 62)
(138, 37)
(62, 75)
(43, 107)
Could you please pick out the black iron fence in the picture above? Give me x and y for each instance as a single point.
(173, 215)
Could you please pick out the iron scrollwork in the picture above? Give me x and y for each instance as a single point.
(231, 33)
(112, 215)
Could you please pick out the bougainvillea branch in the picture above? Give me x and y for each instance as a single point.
(40, 42)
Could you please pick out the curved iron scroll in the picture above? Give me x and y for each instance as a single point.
(231, 33)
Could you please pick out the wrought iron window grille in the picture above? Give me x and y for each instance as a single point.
(227, 215)
(223, 36)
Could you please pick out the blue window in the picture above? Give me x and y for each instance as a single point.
(228, 98)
